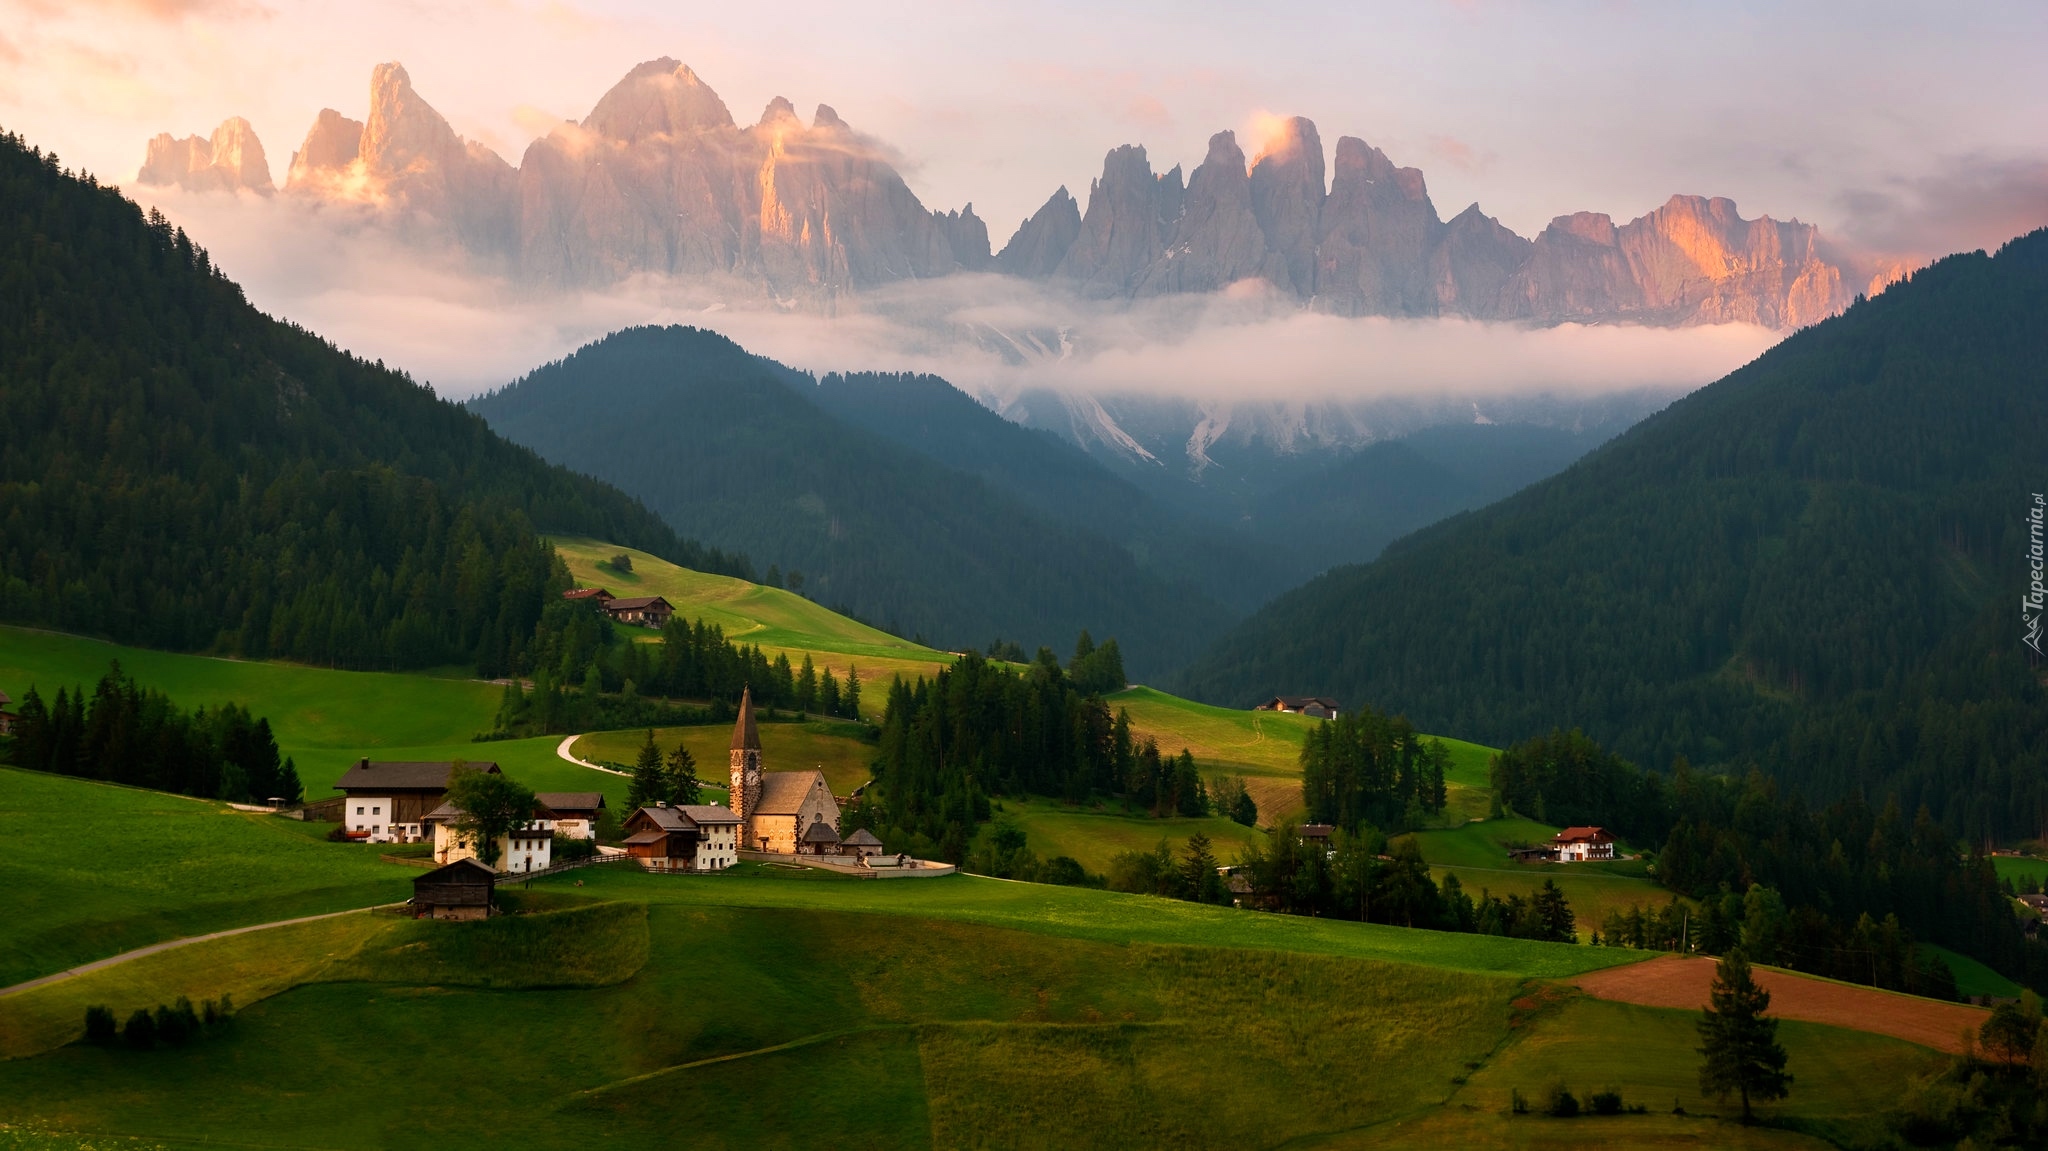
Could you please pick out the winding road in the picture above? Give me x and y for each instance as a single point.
(169, 945)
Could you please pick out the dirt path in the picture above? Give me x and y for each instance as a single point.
(168, 945)
(1683, 981)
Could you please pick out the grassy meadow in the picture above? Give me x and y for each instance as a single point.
(94, 869)
(1477, 853)
(773, 619)
(1092, 837)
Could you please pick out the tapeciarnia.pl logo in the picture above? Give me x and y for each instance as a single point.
(2032, 603)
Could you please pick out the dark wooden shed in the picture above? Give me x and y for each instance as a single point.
(461, 890)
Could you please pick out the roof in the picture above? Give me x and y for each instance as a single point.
(1297, 702)
(445, 811)
(403, 775)
(570, 800)
(465, 869)
(644, 837)
(636, 603)
(4, 701)
(744, 735)
(703, 813)
(1317, 830)
(862, 838)
(819, 833)
(667, 818)
(783, 792)
(587, 593)
(1575, 834)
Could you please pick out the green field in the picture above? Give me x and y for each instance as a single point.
(773, 619)
(833, 748)
(947, 1013)
(1972, 977)
(1092, 837)
(307, 707)
(1477, 854)
(2018, 867)
(95, 869)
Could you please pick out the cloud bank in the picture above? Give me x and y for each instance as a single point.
(465, 331)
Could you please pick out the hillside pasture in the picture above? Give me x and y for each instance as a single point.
(1093, 837)
(95, 869)
(1477, 853)
(308, 707)
(776, 620)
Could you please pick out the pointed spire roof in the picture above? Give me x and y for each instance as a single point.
(744, 737)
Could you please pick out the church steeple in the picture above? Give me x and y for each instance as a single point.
(746, 760)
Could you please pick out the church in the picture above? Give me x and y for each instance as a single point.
(786, 812)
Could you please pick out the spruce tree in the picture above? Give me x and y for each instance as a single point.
(683, 786)
(1739, 1043)
(650, 784)
(807, 686)
(849, 696)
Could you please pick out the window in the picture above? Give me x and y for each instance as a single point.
(376, 811)
(359, 811)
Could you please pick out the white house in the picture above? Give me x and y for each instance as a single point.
(571, 814)
(690, 837)
(528, 847)
(371, 816)
(1579, 844)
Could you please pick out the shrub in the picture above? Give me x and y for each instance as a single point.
(177, 1024)
(1516, 1103)
(100, 1026)
(1606, 1102)
(1064, 870)
(140, 1031)
(1561, 1104)
(620, 563)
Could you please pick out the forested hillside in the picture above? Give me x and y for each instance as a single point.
(181, 471)
(732, 449)
(1813, 566)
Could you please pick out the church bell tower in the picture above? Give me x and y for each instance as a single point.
(746, 767)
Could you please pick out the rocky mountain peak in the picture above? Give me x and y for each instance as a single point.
(403, 131)
(1043, 240)
(331, 146)
(230, 160)
(1287, 200)
(779, 113)
(826, 118)
(659, 98)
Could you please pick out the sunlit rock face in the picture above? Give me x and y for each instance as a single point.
(230, 160)
(660, 180)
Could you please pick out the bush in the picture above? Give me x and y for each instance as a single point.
(1561, 1104)
(1606, 1102)
(1064, 870)
(140, 1031)
(177, 1024)
(620, 563)
(100, 1026)
(570, 849)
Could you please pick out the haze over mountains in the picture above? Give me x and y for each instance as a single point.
(660, 179)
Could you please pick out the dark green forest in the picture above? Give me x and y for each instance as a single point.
(1812, 567)
(731, 448)
(179, 470)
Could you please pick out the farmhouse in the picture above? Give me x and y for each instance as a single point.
(388, 802)
(460, 890)
(1321, 707)
(777, 809)
(580, 594)
(689, 837)
(573, 814)
(528, 847)
(1579, 844)
(1318, 833)
(647, 611)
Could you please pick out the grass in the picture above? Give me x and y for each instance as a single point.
(595, 945)
(1477, 853)
(94, 869)
(833, 748)
(2018, 867)
(308, 707)
(1972, 977)
(1092, 837)
(773, 619)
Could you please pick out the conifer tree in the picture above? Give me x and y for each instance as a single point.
(650, 784)
(1739, 1043)
(849, 696)
(683, 785)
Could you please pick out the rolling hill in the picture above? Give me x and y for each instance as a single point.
(1811, 565)
(728, 447)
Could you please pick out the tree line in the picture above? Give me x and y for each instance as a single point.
(125, 733)
(1364, 768)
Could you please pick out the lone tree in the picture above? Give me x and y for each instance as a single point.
(1739, 1042)
(491, 805)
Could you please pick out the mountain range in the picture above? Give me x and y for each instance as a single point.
(659, 178)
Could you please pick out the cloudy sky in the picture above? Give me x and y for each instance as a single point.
(1909, 128)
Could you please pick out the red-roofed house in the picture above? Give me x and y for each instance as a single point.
(1579, 844)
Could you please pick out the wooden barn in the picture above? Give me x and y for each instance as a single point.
(647, 611)
(461, 890)
(389, 801)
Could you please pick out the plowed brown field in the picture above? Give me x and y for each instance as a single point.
(1683, 981)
